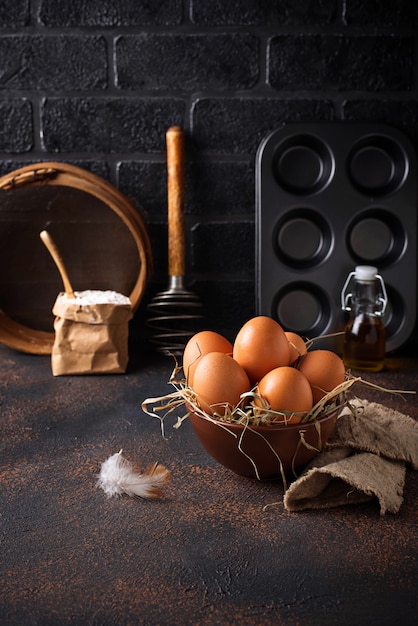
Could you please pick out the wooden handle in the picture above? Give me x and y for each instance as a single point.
(176, 198)
(54, 252)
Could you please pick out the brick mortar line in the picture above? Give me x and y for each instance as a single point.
(230, 95)
(354, 30)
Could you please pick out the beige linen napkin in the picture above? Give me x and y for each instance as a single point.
(365, 458)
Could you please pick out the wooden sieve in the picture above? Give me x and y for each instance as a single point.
(99, 232)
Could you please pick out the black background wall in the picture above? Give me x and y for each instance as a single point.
(98, 82)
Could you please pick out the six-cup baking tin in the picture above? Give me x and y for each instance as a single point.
(330, 196)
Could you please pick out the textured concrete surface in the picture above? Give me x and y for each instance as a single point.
(208, 553)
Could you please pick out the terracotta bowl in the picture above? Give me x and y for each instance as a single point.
(264, 445)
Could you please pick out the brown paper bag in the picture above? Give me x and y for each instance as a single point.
(91, 333)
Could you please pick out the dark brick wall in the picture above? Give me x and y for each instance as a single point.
(97, 83)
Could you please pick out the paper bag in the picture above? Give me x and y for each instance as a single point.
(91, 333)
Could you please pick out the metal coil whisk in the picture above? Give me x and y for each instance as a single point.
(176, 315)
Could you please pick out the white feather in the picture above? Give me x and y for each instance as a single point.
(118, 476)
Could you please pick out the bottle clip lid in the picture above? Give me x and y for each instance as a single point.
(364, 274)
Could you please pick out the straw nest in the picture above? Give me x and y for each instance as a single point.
(247, 412)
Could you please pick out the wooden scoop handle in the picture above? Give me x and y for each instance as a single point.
(54, 252)
(176, 200)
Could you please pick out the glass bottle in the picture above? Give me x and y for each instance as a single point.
(365, 335)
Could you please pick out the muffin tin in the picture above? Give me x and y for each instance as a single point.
(330, 196)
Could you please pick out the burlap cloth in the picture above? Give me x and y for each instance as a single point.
(365, 458)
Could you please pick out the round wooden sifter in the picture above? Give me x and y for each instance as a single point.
(99, 232)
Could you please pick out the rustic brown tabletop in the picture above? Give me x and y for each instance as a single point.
(210, 552)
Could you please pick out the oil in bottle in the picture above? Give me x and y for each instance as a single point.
(365, 336)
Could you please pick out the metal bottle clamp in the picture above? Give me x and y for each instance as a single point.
(346, 298)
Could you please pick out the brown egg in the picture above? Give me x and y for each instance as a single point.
(260, 346)
(297, 345)
(202, 343)
(219, 382)
(324, 370)
(286, 389)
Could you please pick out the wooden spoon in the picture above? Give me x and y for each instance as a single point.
(55, 253)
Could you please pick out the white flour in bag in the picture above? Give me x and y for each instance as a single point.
(91, 333)
(94, 296)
